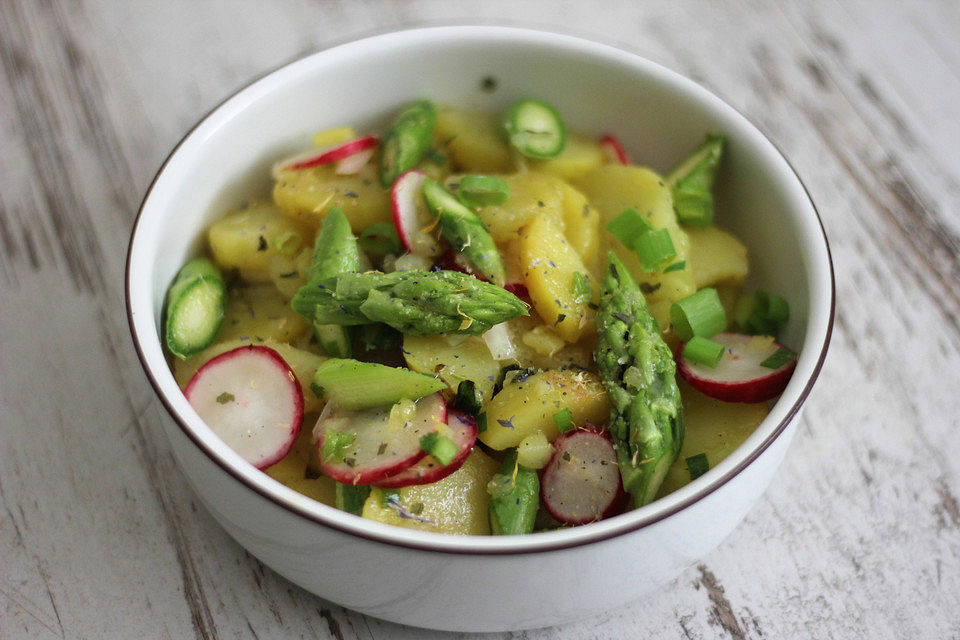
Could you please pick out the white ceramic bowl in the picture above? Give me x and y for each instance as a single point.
(466, 582)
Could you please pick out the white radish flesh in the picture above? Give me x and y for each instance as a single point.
(614, 149)
(328, 155)
(581, 483)
(378, 446)
(411, 216)
(463, 432)
(738, 377)
(251, 399)
(352, 164)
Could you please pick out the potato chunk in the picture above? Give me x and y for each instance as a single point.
(307, 195)
(456, 504)
(716, 257)
(550, 265)
(531, 194)
(526, 406)
(580, 155)
(261, 313)
(582, 227)
(248, 239)
(454, 358)
(473, 140)
(614, 188)
(714, 428)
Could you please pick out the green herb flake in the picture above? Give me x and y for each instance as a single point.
(564, 420)
(416, 508)
(481, 422)
(560, 318)
(697, 465)
(566, 456)
(335, 445)
(779, 358)
(262, 244)
(225, 397)
(382, 448)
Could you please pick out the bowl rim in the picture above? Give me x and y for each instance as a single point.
(463, 544)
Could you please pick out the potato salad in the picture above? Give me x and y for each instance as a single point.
(477, 323)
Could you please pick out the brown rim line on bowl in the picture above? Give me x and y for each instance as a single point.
(523, 61)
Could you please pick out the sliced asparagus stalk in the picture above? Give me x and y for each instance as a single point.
(691, 181)
(413, 302)
(638, 370)
(195, 308)
(514, 497)
(360, 385)
(408, 140)
(465, 231)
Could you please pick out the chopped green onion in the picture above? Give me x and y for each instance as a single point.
(580, 287)
(481, 191)
(655, 249)
(380, 239)
(535, 129)
(468, 398)
(350, 498)
(481, 422)
(693, 205)
(697, 465)
(761, 313)
(388, 497)
(564, 420)
(335, 444)
(779, 358)
(628, 225)
(703, 351)
(774, 308)
(288, 243)
(700, 314)
(442, 448)
(676, 266)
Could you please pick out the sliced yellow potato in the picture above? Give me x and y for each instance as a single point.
(303, 363)
(288, 274)
(473, 140)
(580, 155)
(614, 188)
(524, 407)
(454, 358)
(582, 227)
(261, 312)
(713, 428)
(716, 257)
(307, 195)
(248, 239)
(550, 267)
(531, 194)
(532, 339)
(457, 504)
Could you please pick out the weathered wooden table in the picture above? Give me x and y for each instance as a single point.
(859, 535)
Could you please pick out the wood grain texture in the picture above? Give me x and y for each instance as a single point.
(859, 535)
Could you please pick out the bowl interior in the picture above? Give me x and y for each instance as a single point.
(659, 115)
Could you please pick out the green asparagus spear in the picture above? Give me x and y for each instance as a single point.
(465, 231)
(408, 140)
(361, 385)
(421, 303)
(514, 497)
(335, 252)
(646, 416)
(691, 180)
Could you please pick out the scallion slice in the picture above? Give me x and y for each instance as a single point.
(703, 351)
(481, 191)
(700, 314)
(468, 398)
(628, 226)
(676, 266)
(655, 249)
(564, 420)
(535, 129)
(761, 313)
(697, 465)
(442, 448)
(779, 358)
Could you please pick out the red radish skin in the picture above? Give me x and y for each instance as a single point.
(335, 153)
(410, 218)
(581, 483)
(455, 261)
(250, 398)
(518, 289)
(614, 149)
(464, 435)
(738, 377)
(351, 165)
(378, 450)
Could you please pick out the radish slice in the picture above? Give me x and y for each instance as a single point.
(738, 377)
(456, 261)
(518, 289)
(500, 343)
(329, 155)
(614, 149)
(379, 449)
(463, 432)
(411, 216)
(352, 164)
(581, 483)
(251, 399)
